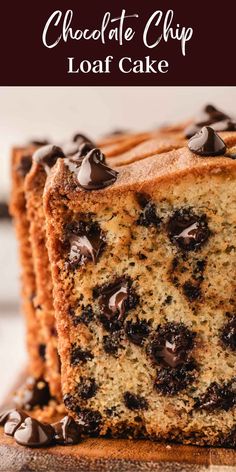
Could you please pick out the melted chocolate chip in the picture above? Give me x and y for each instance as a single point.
(137, 331)
(171, 344)
(87, 388)
(86, 241)
(210, 116)
(48, 155)
(89, 420)
(35, 392)
(32, 433)
(42, 351)
(148, 216)
(192, 292)
(188, 231)
(14, 420)
(114, 301)
(218, 397)
(135, 402)
(66, 431)
(24, 166)
(94, 174)
(171, 380)
(112, 343)
(85, 148)
(4, 414)
(228, 332)
(81, 139)
(80, 356)
(207, 143)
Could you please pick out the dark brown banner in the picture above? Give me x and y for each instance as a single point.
(164, 42)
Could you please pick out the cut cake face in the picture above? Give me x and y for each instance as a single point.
(144, 293)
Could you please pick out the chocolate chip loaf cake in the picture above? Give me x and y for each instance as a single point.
(21, 164)
(143, 264)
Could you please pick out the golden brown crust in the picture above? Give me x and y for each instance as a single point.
(34, 336)
(34, 186)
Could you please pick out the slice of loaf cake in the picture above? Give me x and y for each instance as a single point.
(34, 187)
(143, 267)
(21, 164)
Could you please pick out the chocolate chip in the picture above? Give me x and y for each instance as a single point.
(87, 147)
(42, 351)
(39, 142)
(114, 301)
(168, 300)
(79, 355)
(86, 242)
(228, 332)
(192, 292)
(207, 143)
(24, 165)
(135, 402)
(209, 116)
(116, 132)
(187, 230)
(217, 397)
(141, 256)
(85, 317)
(171, 380)
(89, 420)
(4, 414)
(14, 420)
(87, 388)
(137, 331)
(171, 344)
(48, 155)
(148, 216)
(66, 431)
(94, 174)
(35, 392)
(32, 433)
(112, 343)
(70, 402)
(81, 139)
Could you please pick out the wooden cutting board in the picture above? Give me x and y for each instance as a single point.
(114, 455)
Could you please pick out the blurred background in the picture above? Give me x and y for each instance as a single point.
(56, 113)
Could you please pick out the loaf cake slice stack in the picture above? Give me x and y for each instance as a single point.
(143, 266)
